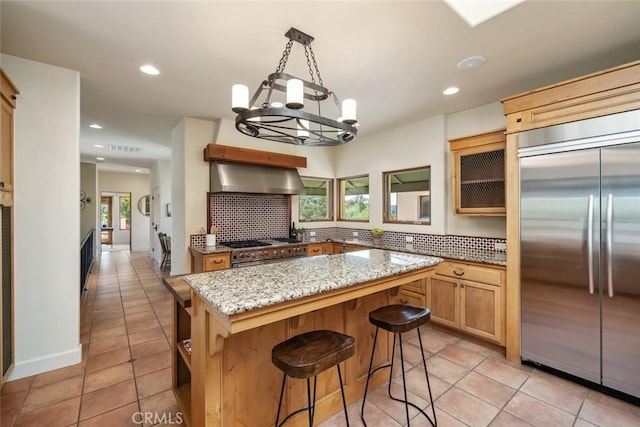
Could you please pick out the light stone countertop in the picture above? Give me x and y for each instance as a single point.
(238, 290)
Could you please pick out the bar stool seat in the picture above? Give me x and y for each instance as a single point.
(305, 356)
(399, 318)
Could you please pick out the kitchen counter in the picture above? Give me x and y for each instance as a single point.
(462, 254)
(238, 315)
(285, 281)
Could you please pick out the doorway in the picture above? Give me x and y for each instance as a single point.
(115, 221)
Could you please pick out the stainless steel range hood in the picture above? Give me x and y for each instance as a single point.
(249, 178)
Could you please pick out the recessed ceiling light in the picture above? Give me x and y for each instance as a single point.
(471, 63)
(100, 159)
(451, 90)
(95, 126)
(150, 69)
(98, 146)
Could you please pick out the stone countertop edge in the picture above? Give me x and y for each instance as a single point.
(238, 290)
(461, 254)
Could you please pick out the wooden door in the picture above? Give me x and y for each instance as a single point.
(443, 302)
(480, 312)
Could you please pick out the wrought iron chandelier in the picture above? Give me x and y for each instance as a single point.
(293, 121)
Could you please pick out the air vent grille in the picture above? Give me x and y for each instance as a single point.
(124, 148)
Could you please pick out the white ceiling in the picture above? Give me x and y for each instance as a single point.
(394, 57)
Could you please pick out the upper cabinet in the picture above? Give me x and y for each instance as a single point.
(478, 174)
(9, 95)
(606, 92)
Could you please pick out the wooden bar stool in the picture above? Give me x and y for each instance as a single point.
(399, 318)
(305, 356)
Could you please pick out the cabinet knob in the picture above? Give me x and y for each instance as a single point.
(455, 285)
(461, 286)
(403, 301)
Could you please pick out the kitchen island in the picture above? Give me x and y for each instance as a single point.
(238, 315)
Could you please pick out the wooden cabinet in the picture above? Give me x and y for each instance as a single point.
(314, 249)
(413, 293)
(469, 297)
(181, 345)
(201, 263)
(479, 174)
(8, 101)
(338, 248)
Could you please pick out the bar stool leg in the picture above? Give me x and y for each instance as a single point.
(284, 380)
(344, 400)
(404, 380)
(433, 422)
(366, 387)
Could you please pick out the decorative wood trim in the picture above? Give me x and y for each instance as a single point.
(217, 152)
(512, 288)
(601, 81)
(491, 137)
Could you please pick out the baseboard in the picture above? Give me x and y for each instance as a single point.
(46, 363)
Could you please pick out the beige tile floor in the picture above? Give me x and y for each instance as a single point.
(126, 371)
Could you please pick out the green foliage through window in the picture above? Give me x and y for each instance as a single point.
(125, 212)
(315, 204)
(354, 198)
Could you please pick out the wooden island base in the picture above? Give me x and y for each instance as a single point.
(234, 383)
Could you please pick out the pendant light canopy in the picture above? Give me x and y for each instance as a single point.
(288, 109)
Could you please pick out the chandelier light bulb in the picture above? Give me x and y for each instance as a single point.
(349, 111)
(303, 128)
(239, 98)
(295, 94)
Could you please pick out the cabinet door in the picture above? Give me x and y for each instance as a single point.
(6, 147)
(480, 312)
(443, 300)
(411, 298)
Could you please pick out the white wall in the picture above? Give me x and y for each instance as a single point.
(189, 186)
(138, 185)
(470, 122)
(89, 217)
(412, 145)
(47, 216)
(161, 178)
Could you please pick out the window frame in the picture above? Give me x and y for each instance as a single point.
(329, 196)
(120, 217)
(341, 200)
(386, 195)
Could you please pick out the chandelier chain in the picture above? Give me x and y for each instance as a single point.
(285, 57)
(315, 64)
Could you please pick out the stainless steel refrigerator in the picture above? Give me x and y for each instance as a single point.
(580, 250)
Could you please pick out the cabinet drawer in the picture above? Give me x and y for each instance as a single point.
(416, 286)
(475, 273)
(216, 262)
(316, 249)
(411, 298)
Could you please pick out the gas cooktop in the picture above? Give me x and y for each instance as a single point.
(241, 244)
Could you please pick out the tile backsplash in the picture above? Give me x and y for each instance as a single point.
(249, 216)
(260, 216)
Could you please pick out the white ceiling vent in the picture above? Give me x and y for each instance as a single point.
(124, 148)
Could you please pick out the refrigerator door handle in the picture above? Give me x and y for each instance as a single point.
(590, 242)
(609, 245)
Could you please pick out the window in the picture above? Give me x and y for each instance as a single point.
(354, 198)
(125, 212)
(407, 196)
(105, 211)
(316, 204)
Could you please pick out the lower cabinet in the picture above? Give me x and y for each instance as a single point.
(413, 293)
(314, 249)
(201, 263)
(469, 297)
